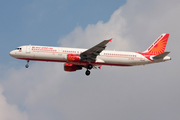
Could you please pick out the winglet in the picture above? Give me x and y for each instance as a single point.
(110, 40)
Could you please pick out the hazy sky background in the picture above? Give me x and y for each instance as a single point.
(45, 91)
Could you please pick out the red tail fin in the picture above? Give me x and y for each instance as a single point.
(158, 46)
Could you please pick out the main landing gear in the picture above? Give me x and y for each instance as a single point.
(88, 72)
(27, 65)
(89, 67)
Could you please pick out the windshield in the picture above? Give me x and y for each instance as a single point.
(18, 48)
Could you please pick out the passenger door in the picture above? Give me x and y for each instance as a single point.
(28, 49)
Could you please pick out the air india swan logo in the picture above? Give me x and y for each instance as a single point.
(159, 46)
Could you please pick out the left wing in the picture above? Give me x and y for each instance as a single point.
(91, 54)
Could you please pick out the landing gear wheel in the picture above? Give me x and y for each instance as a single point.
(90, 66)
(26, 65)
(88, 72)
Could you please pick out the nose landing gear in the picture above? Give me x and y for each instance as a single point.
(27, 65)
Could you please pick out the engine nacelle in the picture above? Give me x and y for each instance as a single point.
(73, 58)
(71, 67)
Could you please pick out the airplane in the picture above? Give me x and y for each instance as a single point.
(95, 57)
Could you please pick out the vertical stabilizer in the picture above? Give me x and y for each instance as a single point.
(158, 47)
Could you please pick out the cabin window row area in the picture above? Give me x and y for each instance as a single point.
(124, 55)
(68, 51)
(49, 50)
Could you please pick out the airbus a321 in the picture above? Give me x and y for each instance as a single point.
(76, 58)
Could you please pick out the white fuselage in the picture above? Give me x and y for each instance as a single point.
(59, 54)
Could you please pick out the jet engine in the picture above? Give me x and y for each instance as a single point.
(71, 67)
(73, 58)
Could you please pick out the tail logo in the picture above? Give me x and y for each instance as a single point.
(159, 45)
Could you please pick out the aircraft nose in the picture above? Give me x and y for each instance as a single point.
(12, 53)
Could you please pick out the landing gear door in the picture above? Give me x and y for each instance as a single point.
(28, 49)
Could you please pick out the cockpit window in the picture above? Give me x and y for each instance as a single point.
(18, 48)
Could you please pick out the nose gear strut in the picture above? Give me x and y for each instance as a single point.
(27, 65)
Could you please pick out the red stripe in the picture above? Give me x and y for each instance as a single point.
(76, 63)
(146, 55)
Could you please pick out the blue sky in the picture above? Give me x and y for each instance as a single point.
(45, 91)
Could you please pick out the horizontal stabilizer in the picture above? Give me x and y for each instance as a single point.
(161, 56)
